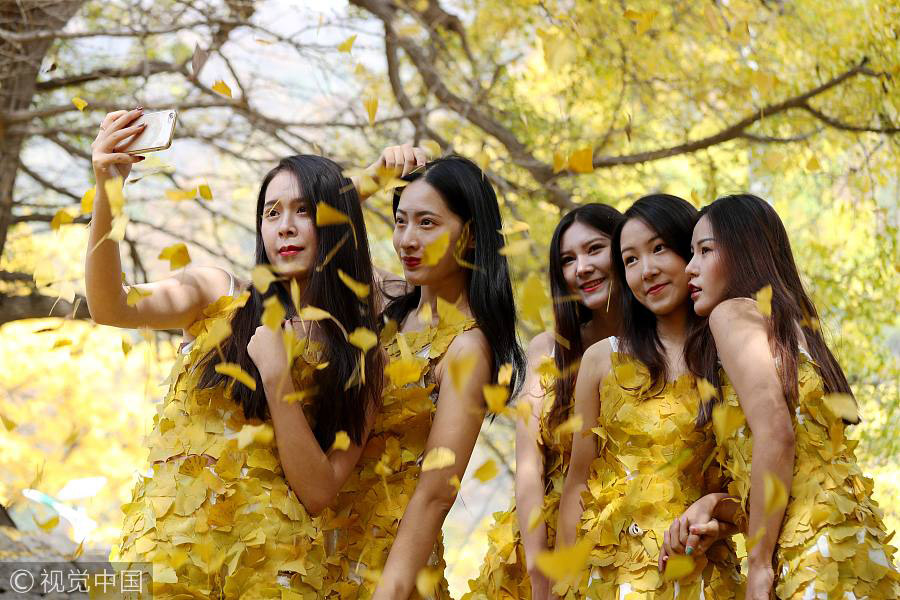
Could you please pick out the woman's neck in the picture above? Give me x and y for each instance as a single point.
(672, 331)
(452, 290)
(602, 325)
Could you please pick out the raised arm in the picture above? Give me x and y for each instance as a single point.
(595, 364)
(315, 475)
(456, 425)
(171, 303)
(530, 464)
(742, 341)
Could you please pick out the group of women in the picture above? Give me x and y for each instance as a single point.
(317, 426)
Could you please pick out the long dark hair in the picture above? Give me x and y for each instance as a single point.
(568, 313)
(673, 219)
(755, 252)
(335, 408)
(468, 193)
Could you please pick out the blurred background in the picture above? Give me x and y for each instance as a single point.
(562, 102)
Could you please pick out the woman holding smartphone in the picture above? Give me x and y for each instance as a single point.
(262, 424)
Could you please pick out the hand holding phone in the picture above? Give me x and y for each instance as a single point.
(156, 135)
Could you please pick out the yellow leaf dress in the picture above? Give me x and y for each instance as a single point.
(214, 513)
(363, 522)
(833, 543)
(652, 463)
(504, 575)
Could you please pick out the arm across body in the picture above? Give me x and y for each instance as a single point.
(457, 423)
(595, 365)
(530, 482)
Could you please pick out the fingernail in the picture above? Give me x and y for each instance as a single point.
(688, 550)
(665, 558)
(140, 158)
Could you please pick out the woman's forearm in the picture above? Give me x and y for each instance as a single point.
(529, 500)
(772, 454)
(306, 467)
(104, 291)
(570, 509)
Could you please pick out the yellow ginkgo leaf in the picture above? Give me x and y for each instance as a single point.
(178, 195)
(249, 434)
(534, 297)
(77, 553)
(776, 496)
(135, 294)
(435, 250)
(311, 313)
(487, 471)
(504, 374)
(341, 441)
(273, 313)
(235, 371)
(706, 389)
(8, 423)
(329, 215)
(47, 525)
(371, 106)
(177, 255)
(570, 426)
(842, 406)
(726, 420)
(678, 566)
(695, 198)
(205, 192)
(495, 397)
(216, 333)
(427, 580)
(62, 217)
(560, 160)
(262, 277)
(117, 231)
(523, 411)
(347, 44)
(113, 189)
(439, 458)
(516, 248)
(403, 371)
(460, 370)
(220, 87)
(363, 338)
(431, 147)
(126, 347)
(764, 300)
(482, 159)
(582, 160)
(79, 103)
(360, 289)
(87, 200)
(565, 563)
(455, 482)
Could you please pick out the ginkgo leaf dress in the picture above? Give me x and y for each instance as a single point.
(652, 463)
(833, 544)
(215, 514)
(364, 521)
(504, 575)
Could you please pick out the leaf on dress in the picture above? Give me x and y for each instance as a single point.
(439, 458)
(260, 434)
(177, 255)
(706, 389)
(842, 406)
(726, 420)
(565, 563)
(404, 371)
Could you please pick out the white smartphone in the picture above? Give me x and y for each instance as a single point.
(156, 136)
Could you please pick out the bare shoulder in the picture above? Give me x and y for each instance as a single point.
(541, 345)
(471, 341)
(597, 359)
(734, 313)
(211, 282)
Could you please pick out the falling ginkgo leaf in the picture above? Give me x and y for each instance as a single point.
(273, 313)
(570, 426)
(341, 441)
(678, 566)
(177, 255)
(311, 313)
(347, 44)
(113, 189)
(235, 371)
(403, 371)
(776, 495)
(220, 87)
(695, 199)
(135, 294)
(516, 248)
(504, 374)
(565, 563)
(262, 277)
(487, 471)
(363, 338)
(204, 191)
(460, 369)
(560, 160)
(706, 389)
(439, 458)
(431, 147)
(48, 525)
(371, 106)
(117, 230)
(87, 201)
(495, 397)
(533, 298)
(726, 420)
(842, 406)
(582, 160)
(360, 289)
(436, 249)
(178, 195)
(764, 300)
(62, 217)
(79, 103)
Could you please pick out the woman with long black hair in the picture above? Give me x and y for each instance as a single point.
(262, 423)
(638, 458)
(783, 405)
(586, 310)
(448, 336)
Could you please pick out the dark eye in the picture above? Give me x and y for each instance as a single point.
(302, 209)
(596, 248)
(427, 221)
(659, 247)
(629, 259)
(398, 220)
(704, 250)
(273, 212)
(566, 260)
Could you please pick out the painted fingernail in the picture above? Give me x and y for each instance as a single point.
(140, 158)
(688, 550)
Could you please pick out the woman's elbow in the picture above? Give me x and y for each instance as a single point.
(439, 501)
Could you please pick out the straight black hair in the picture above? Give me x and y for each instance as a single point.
(570, 314)
(755, 250)
(673, 219)
(468, 193)
(336, 407)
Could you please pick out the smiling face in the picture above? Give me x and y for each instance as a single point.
(288, 228)
(421, 219)
(654, 272)
(587, 264)
(708, 281)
